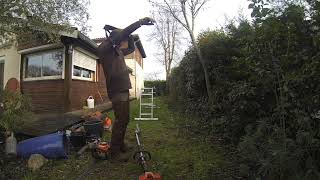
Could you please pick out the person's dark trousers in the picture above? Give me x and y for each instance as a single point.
(120, 104)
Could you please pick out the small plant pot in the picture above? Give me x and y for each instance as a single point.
(78, 139)
(93, 128)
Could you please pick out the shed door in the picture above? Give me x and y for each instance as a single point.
(1, 73)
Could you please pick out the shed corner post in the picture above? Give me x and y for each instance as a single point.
(67, 73)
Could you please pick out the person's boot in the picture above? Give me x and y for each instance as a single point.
(118, 157)
(126, 148)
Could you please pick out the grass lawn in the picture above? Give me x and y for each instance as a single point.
(175, 154)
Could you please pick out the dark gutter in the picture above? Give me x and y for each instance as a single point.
(87, 40)
(86, 43)
(139, 45)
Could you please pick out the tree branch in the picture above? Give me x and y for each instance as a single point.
(174, 15)
(200, 7)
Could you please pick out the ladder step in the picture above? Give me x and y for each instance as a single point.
(146, 104)
(146, 114)
(146, 119)
(145, 94)
(154, 107)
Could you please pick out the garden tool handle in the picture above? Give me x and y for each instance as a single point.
(83, 149)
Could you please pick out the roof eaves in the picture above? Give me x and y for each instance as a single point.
(140, 46)
(87, 40)
(76, 34)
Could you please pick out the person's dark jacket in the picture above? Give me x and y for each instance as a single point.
(112, 59)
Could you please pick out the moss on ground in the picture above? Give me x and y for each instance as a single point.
(175, 154)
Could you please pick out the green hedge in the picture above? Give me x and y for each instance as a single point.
(159, 85)
(265, 81)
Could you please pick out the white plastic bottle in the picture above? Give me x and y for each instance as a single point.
(11, 146)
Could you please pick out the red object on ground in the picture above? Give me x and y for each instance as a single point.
(150, 176)
(13, 85)
(103, 147)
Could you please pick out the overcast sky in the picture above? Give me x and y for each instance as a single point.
(121, 13)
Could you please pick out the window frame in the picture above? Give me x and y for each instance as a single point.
(94, 74)
(42, 54)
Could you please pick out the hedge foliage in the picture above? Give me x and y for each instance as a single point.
(159, 85)
(266, 90)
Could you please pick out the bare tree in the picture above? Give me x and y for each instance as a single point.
(185, 12)
(153, 76)
(167, 35)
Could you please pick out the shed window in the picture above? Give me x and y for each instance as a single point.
(84, 66)
(86, 73)
(82, 73)
(77, 71)
(45, 64)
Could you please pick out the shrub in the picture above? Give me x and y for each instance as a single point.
(158, 85)
(265, 86)
(16, 108)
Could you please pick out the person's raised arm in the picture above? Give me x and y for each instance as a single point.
(117, 37)
(131, 46)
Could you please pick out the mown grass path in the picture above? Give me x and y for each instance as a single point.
(175, 153)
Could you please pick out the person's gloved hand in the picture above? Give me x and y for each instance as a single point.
(109, 27)
(147, 21)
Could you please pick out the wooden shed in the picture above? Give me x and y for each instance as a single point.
(59, 77)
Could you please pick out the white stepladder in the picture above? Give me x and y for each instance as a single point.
(147, 93)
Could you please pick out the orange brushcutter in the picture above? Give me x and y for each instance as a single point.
(142, 157)
(99, 149)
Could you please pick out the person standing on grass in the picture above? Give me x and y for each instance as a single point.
(117, 78)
